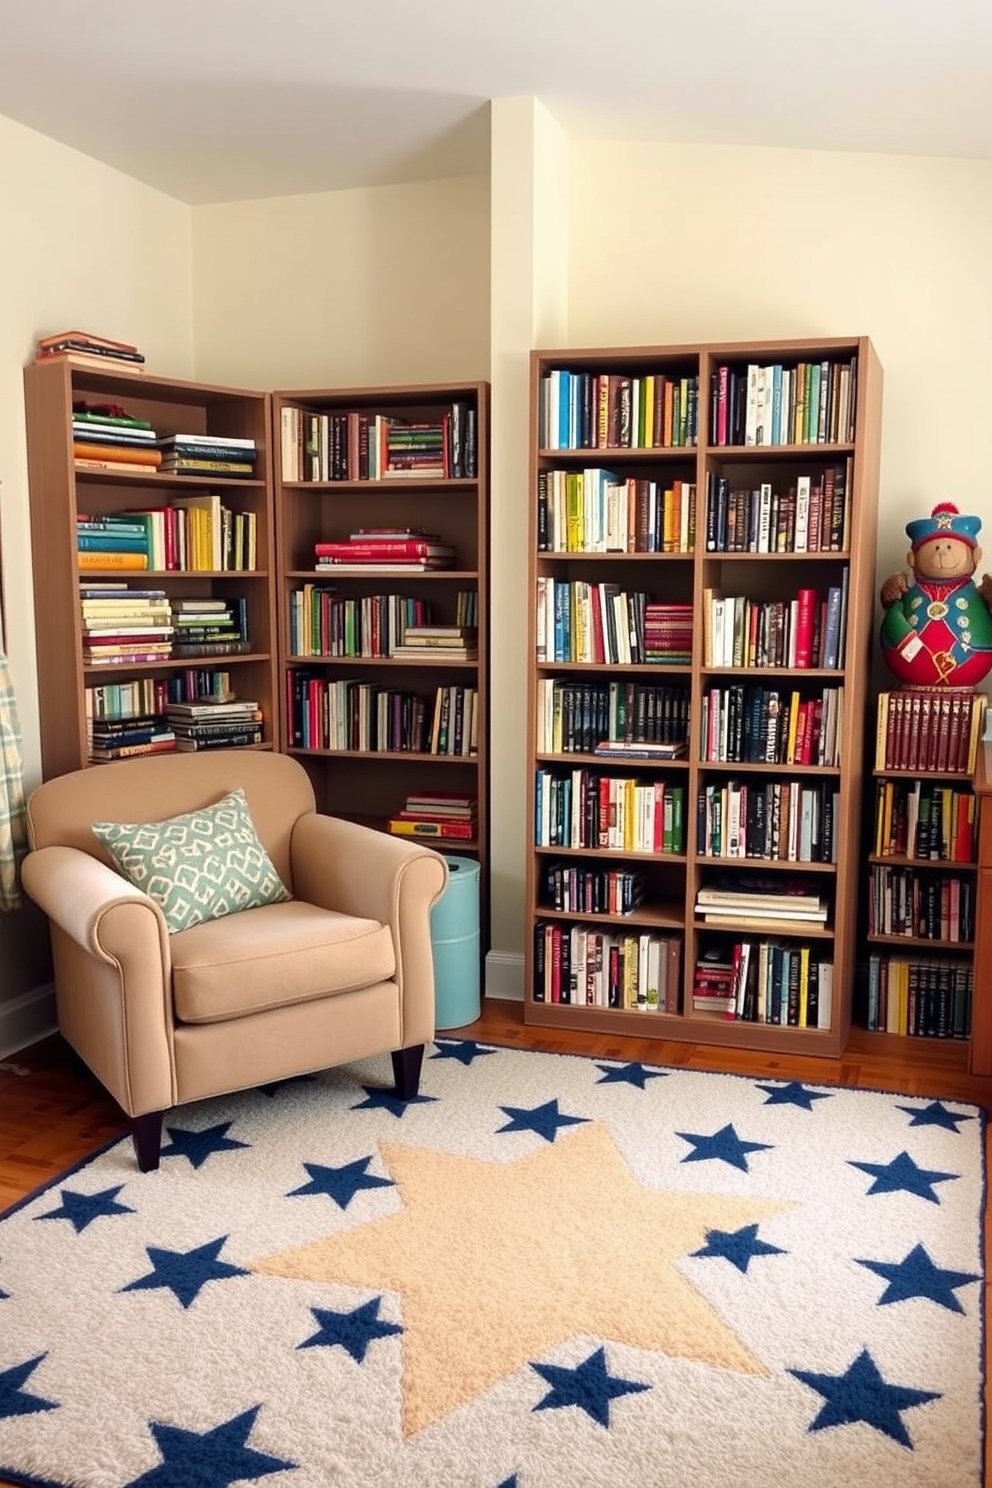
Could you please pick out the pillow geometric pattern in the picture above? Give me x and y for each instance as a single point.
(198, 866)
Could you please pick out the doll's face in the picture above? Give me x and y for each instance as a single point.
(945, 557)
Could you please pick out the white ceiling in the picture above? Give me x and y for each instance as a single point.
(217, 100)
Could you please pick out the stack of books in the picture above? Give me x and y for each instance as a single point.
(442, 814)
(105, 437)
(789, 907)
(213, 724)
(210, 627)
(122, 626)
(668, 633)
(208, 454)
(111, 542)
(713, 985)
(120, 738)
(383, 550)
(81, 349)
(439, 643)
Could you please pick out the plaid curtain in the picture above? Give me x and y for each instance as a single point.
(13, 825)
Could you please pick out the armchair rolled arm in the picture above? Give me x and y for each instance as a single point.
(97, 908)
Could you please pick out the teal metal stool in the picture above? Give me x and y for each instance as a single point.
(455, 943)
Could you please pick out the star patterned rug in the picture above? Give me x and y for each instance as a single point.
(547, 1271)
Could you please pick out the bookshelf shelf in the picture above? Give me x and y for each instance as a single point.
(334, 434)
(786, 529)
(73, 687)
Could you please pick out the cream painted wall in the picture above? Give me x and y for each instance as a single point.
(384, 285)
(81, 247)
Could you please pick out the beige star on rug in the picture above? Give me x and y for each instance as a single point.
(498, 1263)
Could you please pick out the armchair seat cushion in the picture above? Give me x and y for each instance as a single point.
(274, 956)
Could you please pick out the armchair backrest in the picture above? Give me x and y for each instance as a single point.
(62, 811)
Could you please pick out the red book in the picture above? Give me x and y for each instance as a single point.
(805, 625)
(383, 550)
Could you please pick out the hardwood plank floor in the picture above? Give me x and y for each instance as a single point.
(54, 1113)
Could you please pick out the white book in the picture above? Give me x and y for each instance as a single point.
(825, 1003)
(751, 408)
(802, 514)
(764, 517)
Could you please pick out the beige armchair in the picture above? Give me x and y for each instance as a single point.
(340, 971)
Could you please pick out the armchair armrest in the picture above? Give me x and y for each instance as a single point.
(84, 898)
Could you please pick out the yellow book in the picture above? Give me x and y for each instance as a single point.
(130, 561)
(803, 986)
(648, 405)
(793, 727)
(888, 790)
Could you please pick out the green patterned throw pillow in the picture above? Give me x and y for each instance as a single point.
(198, 866)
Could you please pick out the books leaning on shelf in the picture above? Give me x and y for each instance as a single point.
(578, 965)
(765, 982)
(920, 730)
(804, 632)
(442, 814)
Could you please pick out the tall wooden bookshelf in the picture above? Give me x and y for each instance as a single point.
(365, 763)
(708, 471)
(60, 492)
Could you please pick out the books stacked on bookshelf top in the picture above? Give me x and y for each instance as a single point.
(439, 643)
(212, 724)
(208, 454)
(81, 349)
(383, 550)
(922, 731)
(441, 814)
(105, 437)
(780, 908)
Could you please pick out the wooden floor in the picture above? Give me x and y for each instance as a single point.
(53, 1113)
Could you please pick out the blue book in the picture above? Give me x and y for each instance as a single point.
(564, 409)
(110, 542)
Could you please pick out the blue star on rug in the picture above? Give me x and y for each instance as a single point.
(861, 1394)
(211, 1459)
(723, 1146)
(795, 1093)
(918, 1276)
(352, 1331)
(935, 1114)
(82, 1209)
(197, 1146)
(340, 1184)
(634, 1073)
(508, 1482)
(185, 1272)
(387, 1100)
(464, 1050)
(902, 1175)
(17, 1402)
(589, 1385)
(545, 1120)
(737, 1246)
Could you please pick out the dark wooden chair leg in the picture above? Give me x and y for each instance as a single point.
(146, 1134)
(406, 1070)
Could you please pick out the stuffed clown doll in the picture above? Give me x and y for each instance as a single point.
(937, 630)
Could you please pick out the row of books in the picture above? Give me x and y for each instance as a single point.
(588, 809)
(151, 695)
(352, 445)
(924, 819)
(571, 889)
(446, 815)
(781, 821)
(609, 410)
(812, 515)
(579, 717)
(596, 511)
(775, 404)
(920, 906)
(920, 731)
(127, 626)
(192, 534)
(579, 966)
(353, 714)
(765, 981)
(804, 632)
(920, 998)
(376, 550)
(761, 725)
(604, 624)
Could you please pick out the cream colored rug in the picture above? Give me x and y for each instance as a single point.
(547, 1270)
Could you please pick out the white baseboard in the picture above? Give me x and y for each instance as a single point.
(505, 976)
(26, 1019)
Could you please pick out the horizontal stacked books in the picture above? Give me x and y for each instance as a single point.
(667, 633)
(778, 821)
(586, 809)
(120, 738)
(924, 999)
(810, 403)
(595, 511)
(812, 516)
(590, 968)
(763, 725)
(381, 550)
(210, 627)
(767, 983)
(81, 349)
(578, 717)
(923, 819)
(215, 724)
(208, 454)
(439, 643)
(779, 908)
(803, 632)
(106, 438)
(603, 624)
(586, 410)
(122, 626)
(354, 446)
(446, 815)
(929, 730)
(111, 542)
